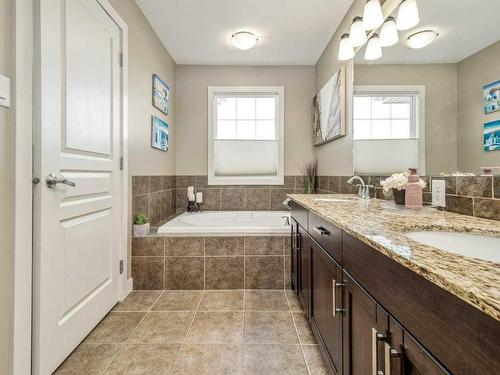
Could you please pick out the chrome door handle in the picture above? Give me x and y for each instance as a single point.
(52, 180)
(336, 309)
(321, 231)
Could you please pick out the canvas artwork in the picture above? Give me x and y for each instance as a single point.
(161, 93)
(491, 136)
(491, 97)
(329, 110)
(159, 134)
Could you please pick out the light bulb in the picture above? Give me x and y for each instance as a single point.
(389, 33)
(244, 40)
(421, 39)
(407, 15)
(373, 48)
(372, 15)
(346, 51)
(358, 32)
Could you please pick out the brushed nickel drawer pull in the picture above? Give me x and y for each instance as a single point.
(336, 309)
(321, 231)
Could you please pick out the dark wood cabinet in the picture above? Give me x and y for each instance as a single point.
(294, 272)
(417, 360)
(326, 303)
(304, 259)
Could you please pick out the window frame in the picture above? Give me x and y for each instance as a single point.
(279, 92)
(419, 112)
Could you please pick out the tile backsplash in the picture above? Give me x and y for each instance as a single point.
(154, 195)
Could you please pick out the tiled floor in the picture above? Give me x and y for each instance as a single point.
(195, 332)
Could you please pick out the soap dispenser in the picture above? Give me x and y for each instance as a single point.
(413, 196)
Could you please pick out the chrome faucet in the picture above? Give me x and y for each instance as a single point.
(287, 221)
(364, 190)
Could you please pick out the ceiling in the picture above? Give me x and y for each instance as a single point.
(291, 32)
(465, 27)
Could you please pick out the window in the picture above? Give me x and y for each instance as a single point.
(245, 128)
(388, 128)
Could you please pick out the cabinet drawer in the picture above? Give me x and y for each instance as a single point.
(327, 235)
(299, 213)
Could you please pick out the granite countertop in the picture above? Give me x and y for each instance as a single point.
(382, 225)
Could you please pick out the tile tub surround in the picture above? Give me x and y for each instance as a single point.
(200, 332)
(154, 195)
(473, 196)
(379, 225)
(198, 263)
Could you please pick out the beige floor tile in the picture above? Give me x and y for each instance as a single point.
(209, 359)
(216, 327)
(138, 300)
(265, 300)
(305, 334)
(178, 300)
(116, 327)
(168, 327)
(269, 328)
(144, 359)
(220, 300)
(88, 359)
(314, 360)
(294, 301)
(273, 360)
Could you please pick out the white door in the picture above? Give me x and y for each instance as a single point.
(76, 228)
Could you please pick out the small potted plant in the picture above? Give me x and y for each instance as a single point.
(309, 172)
(397, 184)
(141, 225)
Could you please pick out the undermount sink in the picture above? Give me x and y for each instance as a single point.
(466, 244)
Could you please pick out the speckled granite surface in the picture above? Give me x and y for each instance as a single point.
(382, 225)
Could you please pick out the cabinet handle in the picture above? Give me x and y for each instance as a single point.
(298, 242)
(376, 337)
(389, 355)
(336, 309)
(321, 231)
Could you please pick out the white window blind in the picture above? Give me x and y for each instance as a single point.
(245, 136)
(386, 130)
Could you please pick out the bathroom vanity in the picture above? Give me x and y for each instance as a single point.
(380, 303)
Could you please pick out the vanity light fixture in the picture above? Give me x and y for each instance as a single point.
(244, 40)
(358, 32)
(346, 50)
(373, 48)
(389, 33)
(407, 15)
(421, 39)
(372, 15)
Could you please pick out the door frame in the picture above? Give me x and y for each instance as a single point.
(24, 120)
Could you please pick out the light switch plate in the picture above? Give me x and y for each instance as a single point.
(439, 193)
(4, 91)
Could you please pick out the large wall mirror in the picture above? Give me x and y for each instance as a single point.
(436, 106)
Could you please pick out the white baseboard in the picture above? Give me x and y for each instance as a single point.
(128, 288)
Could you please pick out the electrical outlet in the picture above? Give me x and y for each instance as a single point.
(439, 193)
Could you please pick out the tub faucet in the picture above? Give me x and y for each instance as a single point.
(364, 190)
(287, 221)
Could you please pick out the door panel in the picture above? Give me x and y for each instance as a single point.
(77, 235)
(295, 257)
(305, 269)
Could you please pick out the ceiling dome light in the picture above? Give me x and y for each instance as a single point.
(421, 39)
(407, 15)
(358, 32)
(373, 48)
(389, 33)
(372, 15)
(346, 51)
(244, 40)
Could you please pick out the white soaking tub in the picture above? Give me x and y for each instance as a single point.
(229, 222)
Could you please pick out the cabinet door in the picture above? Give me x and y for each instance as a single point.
(304, 260)
(326, 311)
(364, 334)
(294, 274)
(417, 361)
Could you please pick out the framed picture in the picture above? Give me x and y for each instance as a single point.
(491, 136)
(491, 97)
(329, 110)
(159, 134)
(161, 93)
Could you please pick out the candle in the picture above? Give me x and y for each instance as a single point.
(190, 192)
(199, 197)
(191, 197)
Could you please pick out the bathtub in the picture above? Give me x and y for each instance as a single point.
(228, 222)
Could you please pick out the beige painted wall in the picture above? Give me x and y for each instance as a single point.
(192, 83)
(440, 81)
(473, 73)
(5, 193)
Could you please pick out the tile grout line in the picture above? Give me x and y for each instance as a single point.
(131, 333)
(187, 332)
(298, 336)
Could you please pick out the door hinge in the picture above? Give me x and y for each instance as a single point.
(120, 58)
(121, 162)
(121, 266)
